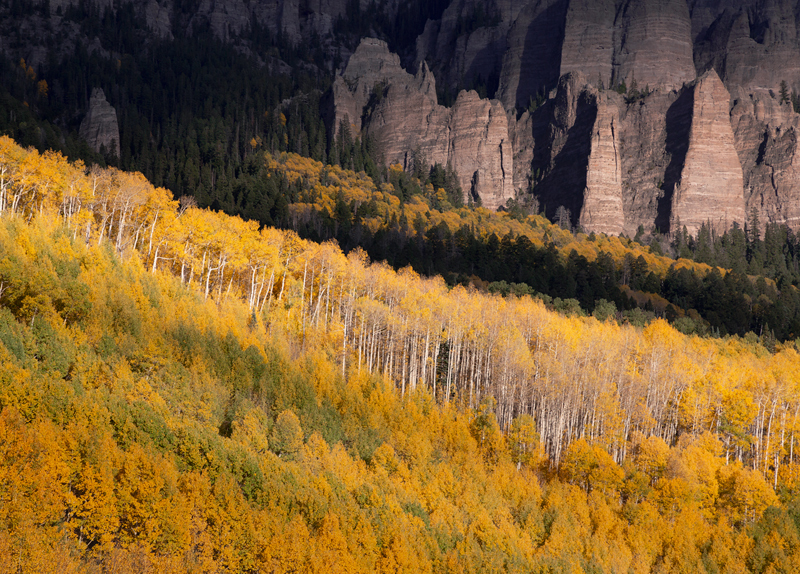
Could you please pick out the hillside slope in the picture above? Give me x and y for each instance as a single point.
(180, 391)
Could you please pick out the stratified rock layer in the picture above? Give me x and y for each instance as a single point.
(531, 63)
(602, 200)
(663, 161)
(480, 149)
(752, 44)
(646, 43)
(588, 45)
(711, 185)
(653, 44)
(766, 136)
(100, 128)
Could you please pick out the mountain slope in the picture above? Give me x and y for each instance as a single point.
(628, 86)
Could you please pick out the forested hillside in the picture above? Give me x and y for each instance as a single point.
(411, 219)
(183, 391)
(202, 131)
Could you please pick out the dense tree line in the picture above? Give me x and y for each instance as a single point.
(771, 250)
(190, 111)
(423, 230)
(193, 109)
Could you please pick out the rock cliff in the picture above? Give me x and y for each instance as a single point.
(686, 151)
(531, 63)
(766, 136)
(751, 44)
(636, 42)
(664, 161)
(533, 43)
(99, 127)
(602, 209)
(466, 46)
(400, 111)
(711, 187)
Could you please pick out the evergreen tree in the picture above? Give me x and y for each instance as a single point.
(785, 96)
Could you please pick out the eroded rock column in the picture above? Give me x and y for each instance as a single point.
(711, 184)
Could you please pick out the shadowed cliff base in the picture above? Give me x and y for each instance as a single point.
(679, 123)
(564, 184)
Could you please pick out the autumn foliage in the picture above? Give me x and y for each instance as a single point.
(181, 391)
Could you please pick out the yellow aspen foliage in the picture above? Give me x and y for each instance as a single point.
(95, 513)
(251, 428)
(606, 548)
(650, 456)
(729, 547)
(331, 553)
(523, 441)
(643, 534)
(591, 467)
(486, 431)
(743, 493)
(683, 541)
(397, 558)
(568, 515)
(607, 476)
(385, 461)
(288, 549)
(691, 476)
(286, 439)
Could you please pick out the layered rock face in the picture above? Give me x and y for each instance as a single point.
(512, 46)
(401, 113)
(602, 199)
(582, 138)
(655, 46)
(641, 42)
(663, 161)
(532, 43)
(766, 137)
(711, 185)
(100, 128)
(531, 63)
(655, 136)
(480, 149)
(458, 58)
(227, 18)
(371, 70)
(614, 161)
(562, 131)
(666, 161)
(588, 45)
(753, 44)
(686, 154)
